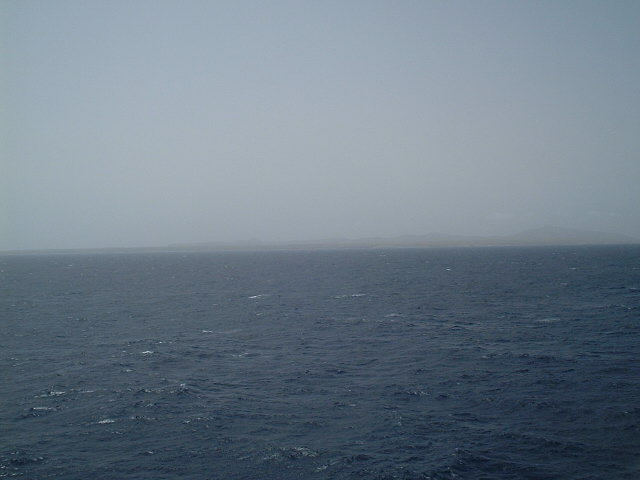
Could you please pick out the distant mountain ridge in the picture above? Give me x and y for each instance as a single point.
(534, 237)
(544, 236)
(572, 235)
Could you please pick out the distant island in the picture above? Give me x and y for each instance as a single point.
(545, 236)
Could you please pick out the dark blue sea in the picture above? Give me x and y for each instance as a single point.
(492, 363)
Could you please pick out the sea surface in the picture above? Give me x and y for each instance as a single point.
(491, 363)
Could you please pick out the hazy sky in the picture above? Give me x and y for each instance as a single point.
(133, 123)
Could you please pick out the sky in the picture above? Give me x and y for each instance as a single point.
(148, 123)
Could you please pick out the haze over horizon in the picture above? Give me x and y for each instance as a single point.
(150, 123)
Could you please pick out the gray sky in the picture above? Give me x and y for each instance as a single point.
(154, 122)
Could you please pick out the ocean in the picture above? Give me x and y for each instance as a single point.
(476, 363)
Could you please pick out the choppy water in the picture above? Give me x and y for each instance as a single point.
(504, 363)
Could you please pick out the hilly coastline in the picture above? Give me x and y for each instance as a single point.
(545, 236)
